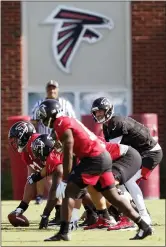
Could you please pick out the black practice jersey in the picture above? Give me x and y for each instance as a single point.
(133, 133)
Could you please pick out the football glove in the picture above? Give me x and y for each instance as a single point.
(17, 211)
(60, 191)
(44, 222)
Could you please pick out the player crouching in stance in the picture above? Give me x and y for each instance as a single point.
(123, 168)
(95, 166)
(21, 136)
(132, 133)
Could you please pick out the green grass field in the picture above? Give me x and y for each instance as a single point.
(32, 236)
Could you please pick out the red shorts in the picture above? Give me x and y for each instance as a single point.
(94, 170)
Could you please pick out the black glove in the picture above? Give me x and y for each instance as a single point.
(44, 222)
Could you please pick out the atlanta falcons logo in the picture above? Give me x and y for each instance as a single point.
(74, 25)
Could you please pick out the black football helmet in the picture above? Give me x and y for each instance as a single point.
(102, 104)
(42, 146)
(48, 111)
(19, 135)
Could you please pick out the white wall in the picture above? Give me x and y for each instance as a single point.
(104, 66)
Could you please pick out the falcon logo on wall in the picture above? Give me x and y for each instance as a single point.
(72, 26)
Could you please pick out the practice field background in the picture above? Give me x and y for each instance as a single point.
(31, 236)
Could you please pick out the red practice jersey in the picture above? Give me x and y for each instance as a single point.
(27, 155)
(86, 143)
(115, 150)
(53, 160)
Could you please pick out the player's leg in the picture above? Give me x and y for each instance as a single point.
(110, 192)
(75, 215)
(40, 191)
(90, 215)
(52, 201)
(29, 194)
(149, 162)
(74, 190)
(123, 169)
(137, 196)
(101, 209)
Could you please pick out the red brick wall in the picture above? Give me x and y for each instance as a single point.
(149, 59)
(11, 88)
(149, 63)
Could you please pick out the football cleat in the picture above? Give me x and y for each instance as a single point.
(54, 221)
(141, 234)
(124, 223)
(100, 224)
(90, 220)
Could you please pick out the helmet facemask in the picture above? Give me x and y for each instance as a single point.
(108, 112)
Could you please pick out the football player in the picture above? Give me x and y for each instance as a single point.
(123, 168)
(50, 153)
(95, 166)
(132, 133)
(21, 135)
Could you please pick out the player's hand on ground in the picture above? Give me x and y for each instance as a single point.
(60, 191)
(44, 222)
(17, 211)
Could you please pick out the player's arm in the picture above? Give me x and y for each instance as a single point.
(52, 200)
(29, 189)
(29, 193)
(37, 176)
(68, 142)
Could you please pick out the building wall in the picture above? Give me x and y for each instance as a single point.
(148, 65)
(11, 87)
(97, 65)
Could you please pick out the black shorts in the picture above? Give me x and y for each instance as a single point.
(127, 166)
(151, 159)
(92, 169)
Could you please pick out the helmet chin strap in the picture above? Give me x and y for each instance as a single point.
(49, 122)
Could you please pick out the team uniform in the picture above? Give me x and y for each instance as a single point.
(123, 167)
(95, 166)
(129, 132)
(28, 157)
(53, 160)
(95, 162)
(138, 136)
